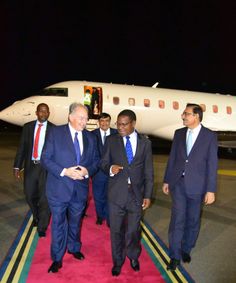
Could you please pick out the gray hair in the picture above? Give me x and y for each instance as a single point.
(75, 105)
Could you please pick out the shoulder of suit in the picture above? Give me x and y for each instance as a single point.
(51, 124)
(95, 131)
(28, 124)
(209, 131)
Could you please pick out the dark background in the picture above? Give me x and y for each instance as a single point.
(181, 44)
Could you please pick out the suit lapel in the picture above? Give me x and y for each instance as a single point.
(122, 147)
(183, 140)
(31, 134)
(85, 144)
(198, 140)
(68, 140)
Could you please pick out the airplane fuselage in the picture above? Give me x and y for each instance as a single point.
(158, 110)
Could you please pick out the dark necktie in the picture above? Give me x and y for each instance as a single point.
(77, 147)
(104, 137)
(36, 142)
(128, 149)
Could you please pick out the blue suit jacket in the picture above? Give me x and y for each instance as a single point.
(59, 153)
(200, 167)
(100, 175)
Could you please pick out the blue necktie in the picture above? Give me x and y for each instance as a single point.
(128, 149)
(77, 147)
(189, 142)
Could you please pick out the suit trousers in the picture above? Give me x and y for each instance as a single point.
(185, 220)
(34, 189)
(125, 229)
(100, 184)
(66, 221)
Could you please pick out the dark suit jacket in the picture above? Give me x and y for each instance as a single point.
(140, 170)
(24, 153)
(200, 167)
(59, 153)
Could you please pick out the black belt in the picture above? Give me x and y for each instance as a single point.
(36, 162)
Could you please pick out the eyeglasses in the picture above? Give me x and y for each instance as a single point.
(122, 124)
(188, 114)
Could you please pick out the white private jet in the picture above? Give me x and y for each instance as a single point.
(158, 110)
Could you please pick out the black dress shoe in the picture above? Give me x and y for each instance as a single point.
(99, 221)
(116, 270)
(56, 265)
(77, 255)
(173, 264)
(42, 234)
(134, 264)
(186, 257)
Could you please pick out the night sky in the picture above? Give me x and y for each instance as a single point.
(181, 44)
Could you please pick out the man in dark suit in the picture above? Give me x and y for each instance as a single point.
(100, 179)
(28, 157)
(190, 178)
(70, 156)
(127, 159)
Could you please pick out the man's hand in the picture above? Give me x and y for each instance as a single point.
(16, 173)
(165, 188)
(209, 198)
(115, 169)
(146, 203)
(76, 174)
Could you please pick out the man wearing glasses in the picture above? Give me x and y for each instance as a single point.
(190, 179)
(127, 160)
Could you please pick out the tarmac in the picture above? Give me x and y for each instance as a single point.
(213, 258)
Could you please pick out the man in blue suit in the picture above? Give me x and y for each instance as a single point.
(190, 178)
(100, 179)
(70, 156)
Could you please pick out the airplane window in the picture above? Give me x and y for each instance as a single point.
(175, 105)
(116, 100)
(161, 104)
(131, 101)
(215, 108)
(203, 106)
(229, 109)
(53, 92)
(146, 102)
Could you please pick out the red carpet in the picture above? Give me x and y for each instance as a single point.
(96, 268)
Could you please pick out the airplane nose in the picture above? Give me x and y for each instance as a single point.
(10, 115)
(4, 115)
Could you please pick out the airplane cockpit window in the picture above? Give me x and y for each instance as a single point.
(229, 110)
(146, 102)
(93, 101)
(175, 105)
(116, 100)
(59, 91)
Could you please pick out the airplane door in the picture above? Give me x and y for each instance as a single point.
(93, 101)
